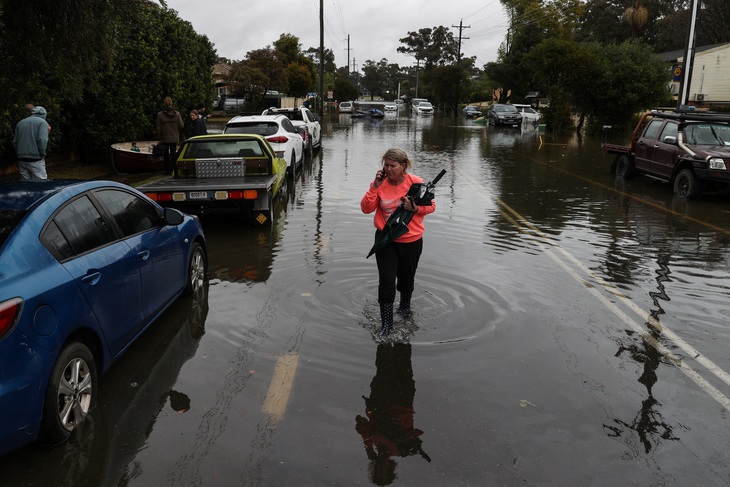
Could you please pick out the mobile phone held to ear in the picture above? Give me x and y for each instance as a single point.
(382, 175)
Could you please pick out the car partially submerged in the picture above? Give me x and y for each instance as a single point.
(503, 114)
(472, 111)
(223, 173)
(690, 150)
(85, 268)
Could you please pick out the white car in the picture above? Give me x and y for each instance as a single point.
(346, 107)
(424, 108)
(528, 113)
(302, 117)
(278, 130)
(390, 107)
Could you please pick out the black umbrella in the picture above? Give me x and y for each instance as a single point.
(397, 224)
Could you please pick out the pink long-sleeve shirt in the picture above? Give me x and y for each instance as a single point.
(385, 199)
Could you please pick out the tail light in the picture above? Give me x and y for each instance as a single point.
(279, 139)
(9, 312)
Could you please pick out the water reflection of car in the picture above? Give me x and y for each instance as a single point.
(131, 402)
(86, 267)
(501, 114)
(472, 111)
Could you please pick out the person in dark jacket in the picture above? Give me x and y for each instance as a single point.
(30, 142)
(203, 115)
(169, 123)
(197, 124)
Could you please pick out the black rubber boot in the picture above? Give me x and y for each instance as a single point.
(386, 317)
(404, 308)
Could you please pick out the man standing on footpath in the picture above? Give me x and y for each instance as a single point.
(169, 124)
(30, 142)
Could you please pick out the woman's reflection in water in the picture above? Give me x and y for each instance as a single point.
(387, 430)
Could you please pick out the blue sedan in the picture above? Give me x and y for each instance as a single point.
(85, 268)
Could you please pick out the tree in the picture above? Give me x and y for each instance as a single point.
(99, 67)
(435, 47)
(300, 80)
(345, 89)
(375, 77)
(146, 68)
(444, 82)
(632, 78)
(531, 21)
(260, 72)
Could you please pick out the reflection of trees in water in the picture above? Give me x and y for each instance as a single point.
(387, 428)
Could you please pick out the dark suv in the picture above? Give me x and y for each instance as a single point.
(499, 114)
(689, 150)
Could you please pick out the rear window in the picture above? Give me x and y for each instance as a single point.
(9, 219)
(222, 148)
(259, 128)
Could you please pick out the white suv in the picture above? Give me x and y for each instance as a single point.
(284, 137)
(302, 117)
(528, 113)
(424, 108)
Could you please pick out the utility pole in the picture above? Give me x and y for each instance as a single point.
(321, 58)
(460, 27)
(348, 52)
(689, 59)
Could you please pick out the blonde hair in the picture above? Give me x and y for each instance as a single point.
(398, 155)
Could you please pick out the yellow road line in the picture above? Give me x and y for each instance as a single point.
(280, 386)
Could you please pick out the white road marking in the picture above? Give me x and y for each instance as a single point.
(280, 386)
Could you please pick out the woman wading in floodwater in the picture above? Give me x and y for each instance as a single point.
(397, 261)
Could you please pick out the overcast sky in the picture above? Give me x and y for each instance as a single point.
(374, 26)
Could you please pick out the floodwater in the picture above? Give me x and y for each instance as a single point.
(569, 330)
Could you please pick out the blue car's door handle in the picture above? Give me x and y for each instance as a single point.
(91, 278)
(144, 255)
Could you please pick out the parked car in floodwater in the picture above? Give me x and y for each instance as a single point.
(502, 114)
(85, 268)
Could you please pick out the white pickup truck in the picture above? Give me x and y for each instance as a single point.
(302, 117)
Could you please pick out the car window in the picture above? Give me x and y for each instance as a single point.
(670, 130)
(56, 243)
(130, 212)
(81, 225)
(288, 126)
(653, 129)
(222, 148)
(260, 128)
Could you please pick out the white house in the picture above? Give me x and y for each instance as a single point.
(710, 83)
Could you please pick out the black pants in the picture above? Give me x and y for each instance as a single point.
(397, 264)
(170, 154)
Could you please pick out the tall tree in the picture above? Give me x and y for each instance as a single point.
(433, 47)
(261, 71)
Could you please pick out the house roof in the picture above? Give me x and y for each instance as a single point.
(678, 55)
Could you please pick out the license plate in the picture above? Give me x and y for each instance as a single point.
(198, 195)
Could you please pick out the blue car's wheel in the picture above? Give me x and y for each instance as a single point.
(71, 393)
(196, 271)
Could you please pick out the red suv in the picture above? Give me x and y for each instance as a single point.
(689, 150)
